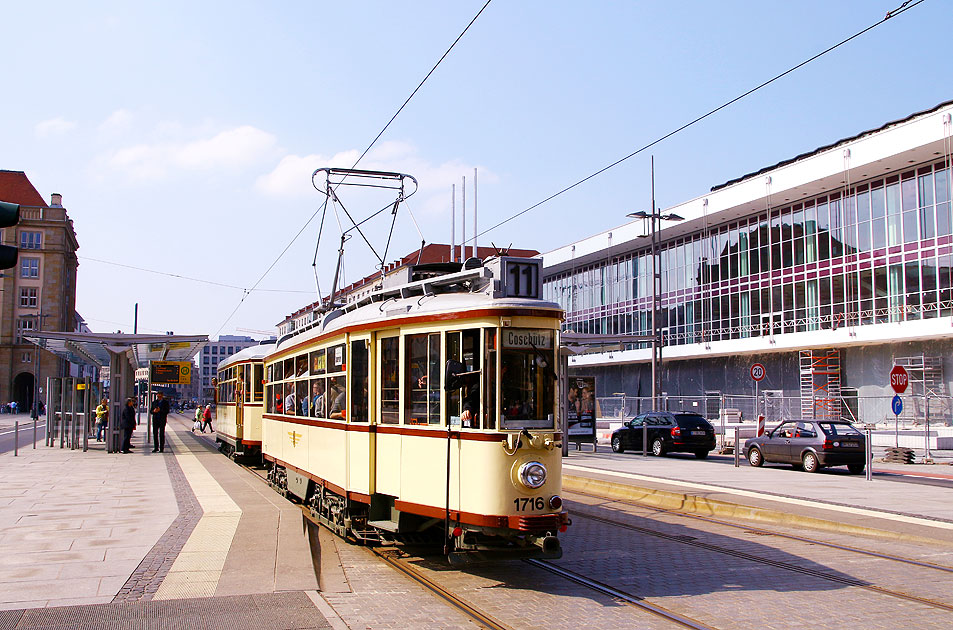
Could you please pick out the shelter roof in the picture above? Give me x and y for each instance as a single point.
(91, 348)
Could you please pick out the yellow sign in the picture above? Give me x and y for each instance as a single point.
(175, 345)
(295, 437)
(171, 372)
(81, 386)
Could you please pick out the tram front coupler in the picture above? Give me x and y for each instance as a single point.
(525, 439)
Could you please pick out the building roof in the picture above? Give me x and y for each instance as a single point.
(826, 147)
(15, 187)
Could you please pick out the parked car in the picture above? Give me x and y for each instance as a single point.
(667, 432)
(810, 445)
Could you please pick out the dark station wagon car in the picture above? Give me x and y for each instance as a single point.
(810, 445)
(667, 432)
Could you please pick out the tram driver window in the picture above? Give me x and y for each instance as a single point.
(527, 379)
(422, 385)
(464, 405)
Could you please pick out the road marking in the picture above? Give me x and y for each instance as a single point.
(770, 497)
(198, 567)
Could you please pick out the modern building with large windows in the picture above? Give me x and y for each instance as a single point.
(840, 258)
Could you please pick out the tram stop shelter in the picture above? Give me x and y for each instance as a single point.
(573, 343)
(123, 354)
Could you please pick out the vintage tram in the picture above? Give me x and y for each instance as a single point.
(240, 400)
(427, 407)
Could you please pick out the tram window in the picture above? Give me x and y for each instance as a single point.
(302, 398)
(289, 402)
(463, 404)
(256, 382)
(277, 398)
(289, 367)
(318, 408)
(336, 398)
(359, 371)
(317, 362)
(422, 355)
(270, 399)
(527, 379)
(390, 380)
(337, 358)
(301, 366)
(489, 379)
(279, 372)
(246, 382)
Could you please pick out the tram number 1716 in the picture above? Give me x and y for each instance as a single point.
(529, 503)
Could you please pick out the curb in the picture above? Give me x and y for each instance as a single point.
(692, 504)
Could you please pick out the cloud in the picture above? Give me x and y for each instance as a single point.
(120, 120)
(291, 177)
(53, 127)
(230, 150)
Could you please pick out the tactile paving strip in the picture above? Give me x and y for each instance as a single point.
(148, 576)
(279, 611)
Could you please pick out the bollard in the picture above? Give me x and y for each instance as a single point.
(34, 432)
(16, 438)
(869, 453)
(645, 437)
(737, 448)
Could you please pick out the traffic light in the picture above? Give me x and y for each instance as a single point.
(9, 216)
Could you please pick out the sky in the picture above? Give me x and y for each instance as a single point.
(183, 135)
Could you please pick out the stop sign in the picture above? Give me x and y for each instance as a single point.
(898, 379)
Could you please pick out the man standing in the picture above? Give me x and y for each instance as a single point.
(128, 425)
(160, 411)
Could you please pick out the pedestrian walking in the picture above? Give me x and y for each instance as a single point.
(160, 412)
(102, 419)
(198, 419)
(207, 417)
(127, 422)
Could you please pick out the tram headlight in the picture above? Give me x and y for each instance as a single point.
(532, 475)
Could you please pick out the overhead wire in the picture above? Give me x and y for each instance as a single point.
(906, 6)
(181, 277)
(357, 161)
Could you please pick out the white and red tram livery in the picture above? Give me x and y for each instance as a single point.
(428, 406)
(240, 401)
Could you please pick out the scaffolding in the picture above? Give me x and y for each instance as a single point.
(925, 379)
(820, 384)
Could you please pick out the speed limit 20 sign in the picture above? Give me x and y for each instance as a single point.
(757, 372)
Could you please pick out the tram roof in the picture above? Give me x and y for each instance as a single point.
(249, 354)
(90, 348)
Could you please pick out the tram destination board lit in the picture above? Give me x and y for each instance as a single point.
(171, 372)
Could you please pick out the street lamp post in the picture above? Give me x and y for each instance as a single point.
(655, 215)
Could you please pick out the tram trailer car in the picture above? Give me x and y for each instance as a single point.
(426, 408)
(240, 400)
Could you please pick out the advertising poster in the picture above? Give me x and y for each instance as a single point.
(581, 408)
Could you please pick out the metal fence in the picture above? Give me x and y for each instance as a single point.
(777, 407)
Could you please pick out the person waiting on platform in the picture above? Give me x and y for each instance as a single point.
(102, 419)
(127, 422)
(160, 412)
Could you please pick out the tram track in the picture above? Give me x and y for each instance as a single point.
(764, 532)
(787, 566)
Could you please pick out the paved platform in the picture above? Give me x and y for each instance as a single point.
(174, 539)
(914, 501)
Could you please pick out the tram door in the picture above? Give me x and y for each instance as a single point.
(241, 382)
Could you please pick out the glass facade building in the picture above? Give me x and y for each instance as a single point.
(849, 246)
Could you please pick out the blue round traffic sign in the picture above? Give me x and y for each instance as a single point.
(897, 405)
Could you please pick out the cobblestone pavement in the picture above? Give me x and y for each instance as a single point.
(148, 576)
(274, 611)
(907, 578)
(714, 588)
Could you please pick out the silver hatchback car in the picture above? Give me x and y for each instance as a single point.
(810, 445)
